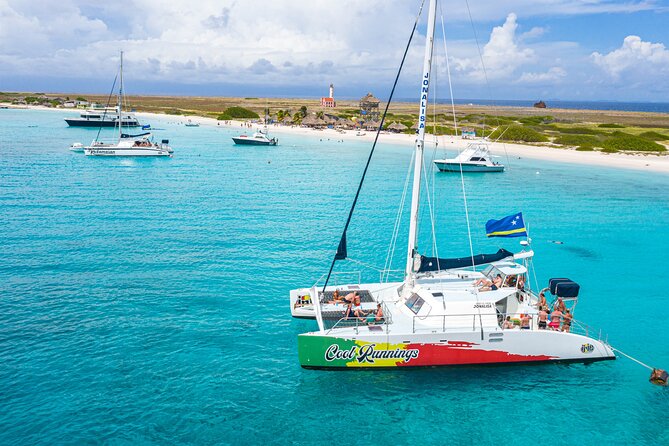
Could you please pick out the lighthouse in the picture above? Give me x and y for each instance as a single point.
(329, 101)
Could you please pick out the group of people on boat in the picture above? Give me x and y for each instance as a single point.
(559, 319)
(354, 308)
(497, 282)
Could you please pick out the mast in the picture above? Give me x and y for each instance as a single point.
(420, 141)
(120, 99)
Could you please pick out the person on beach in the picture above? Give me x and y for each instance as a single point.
(566, 321)
(543, 318)
(525, 322)
(556, 316)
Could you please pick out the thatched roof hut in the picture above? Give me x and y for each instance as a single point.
(313, 121)
(372, 125)
(397, 127)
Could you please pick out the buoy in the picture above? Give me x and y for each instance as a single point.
(557, 242)
(659, 377)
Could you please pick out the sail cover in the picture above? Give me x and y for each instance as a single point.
(342, 252)
(125, 135)
(437, 264)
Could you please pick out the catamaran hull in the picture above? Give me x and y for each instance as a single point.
(126, 152)
(318, 351)
(467, 167)
(251, 142)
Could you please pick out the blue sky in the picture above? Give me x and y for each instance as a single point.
(549, 49)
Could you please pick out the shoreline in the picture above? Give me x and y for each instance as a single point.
(639, 162)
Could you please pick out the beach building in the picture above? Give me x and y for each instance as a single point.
(369, 108)
(329, 101)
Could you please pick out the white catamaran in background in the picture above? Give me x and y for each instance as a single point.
(445, 311)
(140, 144)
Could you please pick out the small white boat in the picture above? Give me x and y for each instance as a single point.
(77, 147)
(475, 158)
(259, 138)
(192, 124)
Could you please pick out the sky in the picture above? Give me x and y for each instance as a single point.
(512, 49)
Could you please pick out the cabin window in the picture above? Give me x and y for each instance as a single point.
(476, 158)
(415, 303)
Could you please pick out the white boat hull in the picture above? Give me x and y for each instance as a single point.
(139, 151)
(446, 166)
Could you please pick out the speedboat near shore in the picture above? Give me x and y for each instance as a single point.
(259, 138)
(475, 158)
(478, 309)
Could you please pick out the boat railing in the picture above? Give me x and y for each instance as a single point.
(340, 278)
(576, 327)
(358, 323)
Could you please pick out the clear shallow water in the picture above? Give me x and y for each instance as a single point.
(145, 301)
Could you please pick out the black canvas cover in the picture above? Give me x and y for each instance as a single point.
(552, 283)
(567, 289)
(125, 135)
(342, 252)
(437, 264)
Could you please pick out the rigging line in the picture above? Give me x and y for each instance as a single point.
(398, 219)
(365, 265)
(376, 138)
(633, 359)
(104, 113)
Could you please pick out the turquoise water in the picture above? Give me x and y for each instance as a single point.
(145, 300)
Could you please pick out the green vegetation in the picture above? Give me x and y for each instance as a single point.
(578, 140)
(611, 126)
(654, 136)
(517, 133)
(624, 141)
(578, 130)
(224, 117)
(173, 111)
(81, 98)
(31, 99)
(241, 113)
(536, 120)
(585, 148)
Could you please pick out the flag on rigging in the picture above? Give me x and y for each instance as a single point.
(511, 226)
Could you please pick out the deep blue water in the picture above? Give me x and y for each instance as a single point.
(145, 300)
(655, 107)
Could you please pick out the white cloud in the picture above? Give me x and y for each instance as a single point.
(634, 57)
(554, 74)
(501, 55)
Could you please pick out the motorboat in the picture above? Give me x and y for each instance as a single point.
(259, 138)
(475, 157)
(192, 124)
(77, 147)
(103, 117)
(478, 309)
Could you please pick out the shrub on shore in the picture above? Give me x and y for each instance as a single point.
(585, 148)
(654, 136)
(224, 117)
(624, 141)
(241, 113)
(611, 126)
(577, 140)
(517, 133)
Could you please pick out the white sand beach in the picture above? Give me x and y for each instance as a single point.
(650, 162)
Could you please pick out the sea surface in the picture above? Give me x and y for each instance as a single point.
(145, 301)
(654, 107)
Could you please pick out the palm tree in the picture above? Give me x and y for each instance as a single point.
(303, 110)
(320, 115)
(279, 115)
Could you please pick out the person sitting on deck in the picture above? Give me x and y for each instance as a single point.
(508, 325)
(350, 297)
(511, 281)
(493, 285)
(357, 308)
(566, 321)
(556, 316)
(376, 316)
(336, 298)
(348, 312)
(543, 318)
(482, 281)
(525, 322)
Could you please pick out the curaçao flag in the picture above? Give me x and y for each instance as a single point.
(511, 226)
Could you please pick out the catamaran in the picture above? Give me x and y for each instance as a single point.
(140, 144)
(475, 157)
(479, 309)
